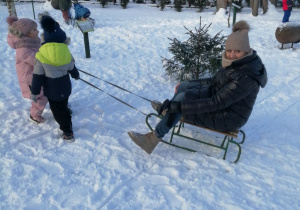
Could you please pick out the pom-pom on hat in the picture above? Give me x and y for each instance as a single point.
(20, 27)
(239, 39)
(52, 30)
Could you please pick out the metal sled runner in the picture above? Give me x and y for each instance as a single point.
(228, 137)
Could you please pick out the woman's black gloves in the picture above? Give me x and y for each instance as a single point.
(170, 107)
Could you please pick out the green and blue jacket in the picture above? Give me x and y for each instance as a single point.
(52, 67)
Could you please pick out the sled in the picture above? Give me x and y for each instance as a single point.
(229, 138)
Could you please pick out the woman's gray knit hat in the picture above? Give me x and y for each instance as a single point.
(239, 39)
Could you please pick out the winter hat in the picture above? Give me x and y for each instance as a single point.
(20, 27)
(52, 30)
(239, 39)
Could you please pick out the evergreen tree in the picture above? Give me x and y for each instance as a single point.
(124, 3)
(162, 4)
(196, 57)
(103, 2)
(178, 5)
(200, 4)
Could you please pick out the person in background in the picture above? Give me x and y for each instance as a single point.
(23, 37)
(223, 102)
(81, 12)
(64, 6)
(287, 9)
(52, 67)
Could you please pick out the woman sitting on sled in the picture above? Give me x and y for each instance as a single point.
(223, 102)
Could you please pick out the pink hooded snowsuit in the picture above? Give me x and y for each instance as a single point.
(26, 49)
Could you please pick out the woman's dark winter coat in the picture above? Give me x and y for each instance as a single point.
(64, 5)
(225, 104)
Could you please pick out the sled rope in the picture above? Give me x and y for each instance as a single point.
(114, 85)
(113, 96)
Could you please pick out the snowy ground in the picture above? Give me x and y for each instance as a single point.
(104, 169)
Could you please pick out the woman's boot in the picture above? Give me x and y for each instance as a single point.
(146, 141)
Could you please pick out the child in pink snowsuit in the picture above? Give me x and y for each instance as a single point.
(23, 37)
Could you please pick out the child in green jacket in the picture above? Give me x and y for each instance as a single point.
(52, 67)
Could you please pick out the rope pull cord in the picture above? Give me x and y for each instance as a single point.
(115, 85)
(113, 96)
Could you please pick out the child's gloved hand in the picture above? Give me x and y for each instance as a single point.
(33, 98)
(77, 78)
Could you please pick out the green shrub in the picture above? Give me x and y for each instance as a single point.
(196, 57)
(178, 5)
(124, 3)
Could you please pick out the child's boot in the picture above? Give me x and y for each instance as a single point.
(68, 137)
(37, 120)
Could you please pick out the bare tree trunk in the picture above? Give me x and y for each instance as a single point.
(229, 14)
(221, 4)
(265, 6)
(11, 7)
(254, 5)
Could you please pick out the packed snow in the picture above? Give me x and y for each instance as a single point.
(103, 168)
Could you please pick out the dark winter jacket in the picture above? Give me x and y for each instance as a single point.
(52, 66)
(81, 11)
(61, 4)
(226, 103)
